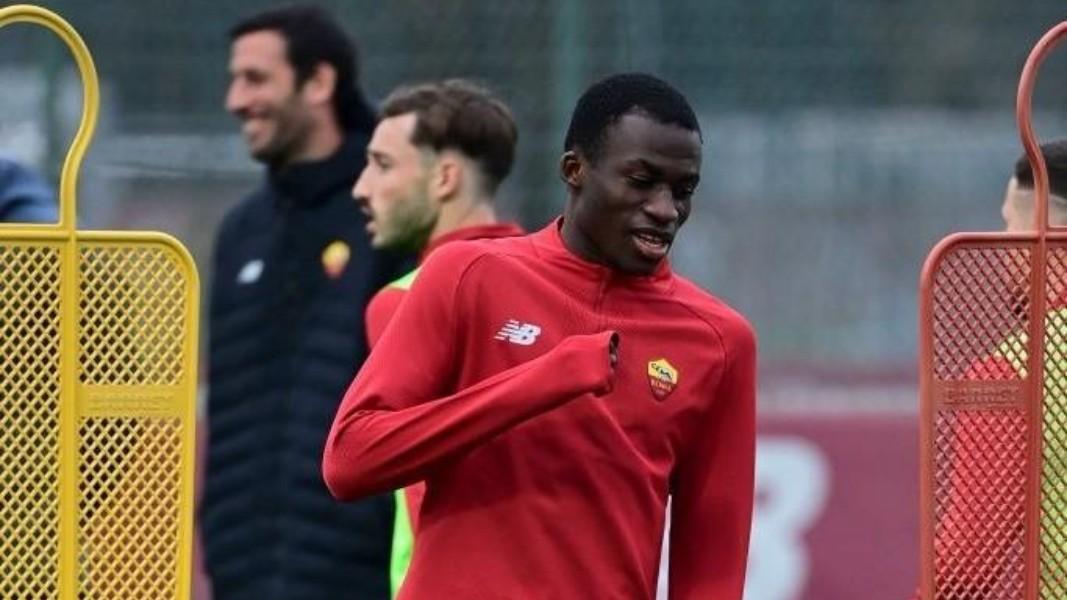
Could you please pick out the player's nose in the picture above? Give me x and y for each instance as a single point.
(361, 189)
(661, 207)
(237, 99)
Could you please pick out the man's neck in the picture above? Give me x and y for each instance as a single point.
(323, 144)
(575, 240)
(323, 141)
(461, 213)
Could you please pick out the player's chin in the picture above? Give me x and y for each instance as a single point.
(637, 264)
(262, 150)
(378, 241)
(635, 258)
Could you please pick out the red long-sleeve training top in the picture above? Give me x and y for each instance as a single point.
(383, 305)
(547, 474)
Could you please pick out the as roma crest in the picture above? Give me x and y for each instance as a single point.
(663, 377)
(335, 258)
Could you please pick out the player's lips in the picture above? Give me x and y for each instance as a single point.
(653, 244)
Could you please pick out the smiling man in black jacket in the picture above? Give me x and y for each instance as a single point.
(293, 270)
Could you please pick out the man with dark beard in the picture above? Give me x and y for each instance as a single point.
(293, 271)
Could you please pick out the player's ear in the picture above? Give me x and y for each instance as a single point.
(319, 88)
(572, 169)
(446, 178)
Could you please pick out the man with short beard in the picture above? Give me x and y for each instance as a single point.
(293, 270)
(433, 168)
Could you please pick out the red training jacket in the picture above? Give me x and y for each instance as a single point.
(383, 305)
(979, 536)
(547, 473)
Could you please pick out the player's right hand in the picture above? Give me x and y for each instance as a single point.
(583, 356)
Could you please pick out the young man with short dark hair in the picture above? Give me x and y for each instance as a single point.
(554, 389)
(434, 164)
(978, 545)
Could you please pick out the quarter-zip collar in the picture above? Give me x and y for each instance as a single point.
(550, 245)
(474, 232)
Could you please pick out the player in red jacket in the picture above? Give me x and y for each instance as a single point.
(433, 168)
(979, 535)
(434, 164)
(552, 390)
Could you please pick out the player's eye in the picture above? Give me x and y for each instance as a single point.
(640, 182)
(255, 77)
(683, 192)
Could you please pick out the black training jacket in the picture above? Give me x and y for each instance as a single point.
(293, 271)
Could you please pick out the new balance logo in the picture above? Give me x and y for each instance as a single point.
(250, 272)
(523, 334)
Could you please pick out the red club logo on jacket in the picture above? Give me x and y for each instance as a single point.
(663, 377)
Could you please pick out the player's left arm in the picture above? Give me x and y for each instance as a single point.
(713, 484)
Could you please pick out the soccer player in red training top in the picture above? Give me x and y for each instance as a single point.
(434, 164)
(978, 541)
(552, 390)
